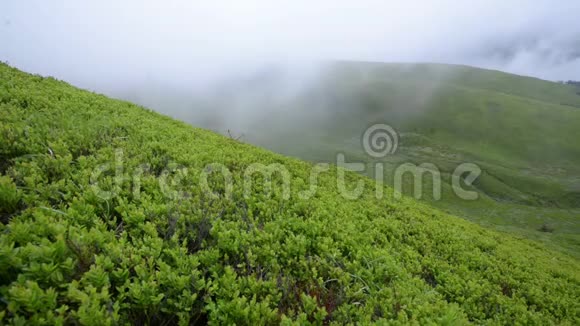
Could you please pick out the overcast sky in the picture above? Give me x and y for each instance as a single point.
(84, 42)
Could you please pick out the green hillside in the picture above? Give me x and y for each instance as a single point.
(105, 220)
(520, 131)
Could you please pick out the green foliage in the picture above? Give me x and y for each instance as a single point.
(68, 256)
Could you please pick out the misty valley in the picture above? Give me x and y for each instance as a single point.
(445, 115)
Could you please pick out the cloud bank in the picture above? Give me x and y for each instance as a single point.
(93, 44)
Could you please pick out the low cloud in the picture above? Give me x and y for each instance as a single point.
(98, 44)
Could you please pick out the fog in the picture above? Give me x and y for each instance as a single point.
(96, 43)
(181, 57)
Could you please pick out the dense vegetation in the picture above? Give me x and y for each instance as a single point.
(519, 130)
(68, 256)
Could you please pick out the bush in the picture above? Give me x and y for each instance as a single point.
(9, 198)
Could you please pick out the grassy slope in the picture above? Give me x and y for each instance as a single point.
(520, 130)
(67, 255)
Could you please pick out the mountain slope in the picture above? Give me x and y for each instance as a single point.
(103, 218)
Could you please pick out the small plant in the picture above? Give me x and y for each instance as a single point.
(546, 228)
(9, 197)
